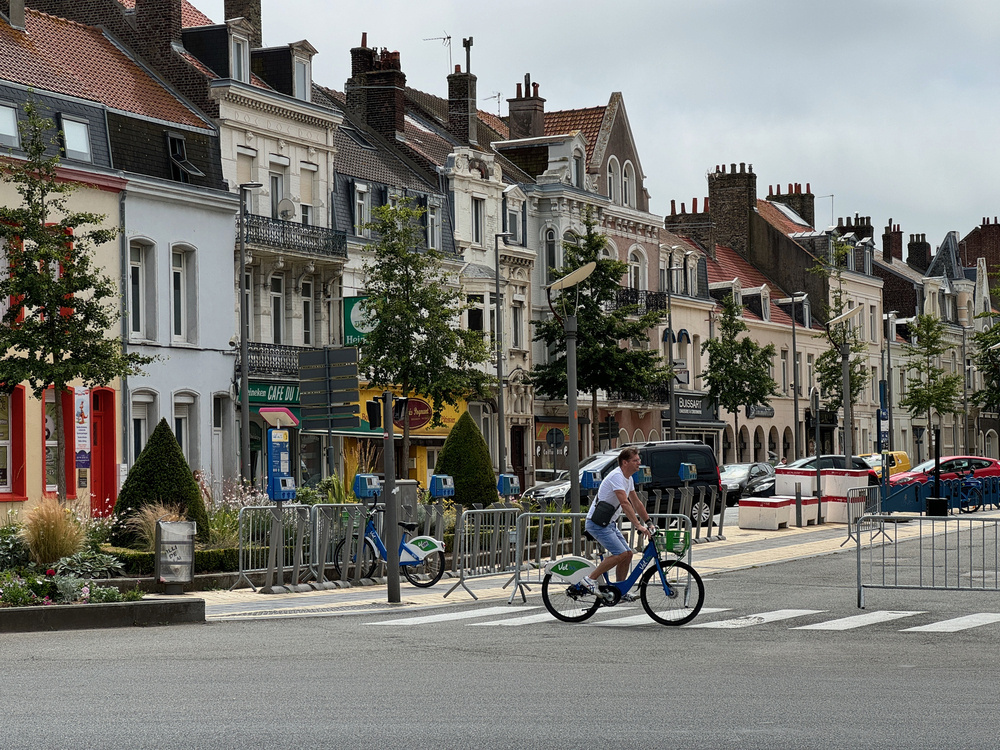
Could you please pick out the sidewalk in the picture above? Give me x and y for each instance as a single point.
(742, 548)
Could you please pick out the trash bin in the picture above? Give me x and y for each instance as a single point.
(936, 506)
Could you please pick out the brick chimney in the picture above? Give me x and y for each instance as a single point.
(159, 25)
(249, 10)
(375, 90)
(15, 12)
(918, 253)
(892, 242)
(462, 110)
(733, 198)
(861, 226)
(526, 112)
(801, 202)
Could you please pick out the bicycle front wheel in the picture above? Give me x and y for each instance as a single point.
(675, 599)
(369, 560)
(972, 500)
(568, 602)
(427, 572)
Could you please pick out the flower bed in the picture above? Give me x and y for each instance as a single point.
(49, 589)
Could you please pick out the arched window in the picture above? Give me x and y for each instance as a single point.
(637, 269)
(628, 185)
(614, 181)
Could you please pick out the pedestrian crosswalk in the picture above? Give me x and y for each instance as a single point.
(625, 616)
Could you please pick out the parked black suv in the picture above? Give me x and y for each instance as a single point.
(664, 459)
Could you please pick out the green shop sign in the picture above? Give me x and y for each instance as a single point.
(357, 323)
(273, 393)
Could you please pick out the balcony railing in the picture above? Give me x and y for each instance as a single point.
(655, 396)
(643, 299)
(272, 359)
(288, 235)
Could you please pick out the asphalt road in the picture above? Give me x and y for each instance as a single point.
(377, 681)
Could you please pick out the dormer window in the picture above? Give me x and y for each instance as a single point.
(578, 169)
(8, 127)
(181, 169)
(303, 79)
(765, 304)
(75, 138)
(239, 59)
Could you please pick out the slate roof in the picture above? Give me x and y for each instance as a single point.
(190, 15)
(588, 121)
(66, 57)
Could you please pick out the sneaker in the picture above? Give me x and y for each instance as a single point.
(629, 598)
(589, 585)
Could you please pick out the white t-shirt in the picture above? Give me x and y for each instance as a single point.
(606, 492)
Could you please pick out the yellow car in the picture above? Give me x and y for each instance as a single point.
(898, 462)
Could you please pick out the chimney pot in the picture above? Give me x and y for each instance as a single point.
(673, 206)
(742, 167)
(694, 205)
(683, 209)
(518, 95)
(534, 90)
(732, 168)
(808, 188)
(789, 188)
(364, 38)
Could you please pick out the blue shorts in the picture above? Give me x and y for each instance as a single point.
(609, 537)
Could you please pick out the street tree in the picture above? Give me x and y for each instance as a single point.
(928, 387)
(60, 307)
(608, 327)
(738, 371)
(416, 342)
(986, 357)
(829, 364)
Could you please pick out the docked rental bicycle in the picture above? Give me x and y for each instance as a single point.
(421, 559)
(671, 590)
(971, 498)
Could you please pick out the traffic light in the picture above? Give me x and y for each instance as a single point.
(374, 409)
(399, 409)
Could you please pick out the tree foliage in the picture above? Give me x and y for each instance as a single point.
(606, 361)
(829, 364)
(160, 475)
(417, 343)
(928, 387)
(62, 307)
(466, 458)
(987, 361)
(738, 371)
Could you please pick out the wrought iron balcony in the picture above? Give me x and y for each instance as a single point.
(288, 235)
(643, 299)
(659, 396)
(271, 359)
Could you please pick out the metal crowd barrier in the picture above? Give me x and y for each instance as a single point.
(266, 532)
(861, 501)
(545, 537)
(332, 522)
(700, 531)
(945, 553)
(485, 544)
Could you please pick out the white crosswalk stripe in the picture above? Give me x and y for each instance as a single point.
(516, 621)
(958, 623)
(464, 615)
(757, 619)
(858, 621)
(645, 619)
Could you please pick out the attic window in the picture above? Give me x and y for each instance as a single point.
(303, 79)
(8, 127)
(239, 59)
(75, 138)
(181, 169)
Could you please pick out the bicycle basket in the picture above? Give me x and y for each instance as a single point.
(672, 541)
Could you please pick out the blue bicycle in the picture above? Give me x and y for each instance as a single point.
(671, 590)
(971, 498)
(421, 559)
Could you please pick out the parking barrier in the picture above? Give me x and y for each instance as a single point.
(484, 544)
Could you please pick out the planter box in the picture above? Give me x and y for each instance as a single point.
(165, 611)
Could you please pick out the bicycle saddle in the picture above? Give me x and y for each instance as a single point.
(408, 526)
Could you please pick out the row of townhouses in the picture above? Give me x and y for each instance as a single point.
(199, 141)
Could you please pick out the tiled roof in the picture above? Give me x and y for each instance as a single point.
(588, 121)
(729, 264)
(190, 15)
(65, 57)
(778, 219)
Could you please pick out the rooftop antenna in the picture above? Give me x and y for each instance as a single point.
(498, 95)
(446, 41)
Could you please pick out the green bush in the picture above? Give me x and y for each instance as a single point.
(143, 564)
(88, 564)
(466, 457)
(160, 475)
(14, 552)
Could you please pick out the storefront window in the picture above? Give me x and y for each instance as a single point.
(310, 460)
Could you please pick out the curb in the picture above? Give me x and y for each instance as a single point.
(148, 612)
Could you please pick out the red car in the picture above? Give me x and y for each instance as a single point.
(951, 467)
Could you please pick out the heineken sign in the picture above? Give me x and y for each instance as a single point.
(357, 323)
(273, 393)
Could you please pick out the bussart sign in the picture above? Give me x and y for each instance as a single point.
(418, 413)
(357, 321)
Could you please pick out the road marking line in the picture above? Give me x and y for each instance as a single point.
(465, 615)
(858, 621)
(956, 624)
(759, 619)
(645, 619)
(515, 621)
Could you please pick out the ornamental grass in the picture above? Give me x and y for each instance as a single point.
(52, 531)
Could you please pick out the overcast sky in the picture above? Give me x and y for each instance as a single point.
(888, 105)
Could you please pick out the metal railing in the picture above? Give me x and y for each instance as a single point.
(268, 531)
(941, 553)
(642, 299)
(271, 359)
(289, 235)
(861, 501)
(485, 544)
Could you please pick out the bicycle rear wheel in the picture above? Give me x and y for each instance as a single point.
(972, 500)
(568, 602)
(369, 560)
(427, 572)
(680, 600)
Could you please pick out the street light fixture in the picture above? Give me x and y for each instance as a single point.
(573, 278)
(498, 321)
(244, 336)
(796, 297)
(845, 358)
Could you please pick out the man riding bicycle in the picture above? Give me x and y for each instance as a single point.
(618, 490)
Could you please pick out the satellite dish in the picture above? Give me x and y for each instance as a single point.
(573, 277)
(286, 209)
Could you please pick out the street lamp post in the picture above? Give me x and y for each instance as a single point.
(796, 297)
(670, 346)
(570, 328)
(244, 336)
(498, 320)
(891, 334)
(845, 358)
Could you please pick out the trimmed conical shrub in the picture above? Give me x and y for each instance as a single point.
(160, 475)
(466, 457)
